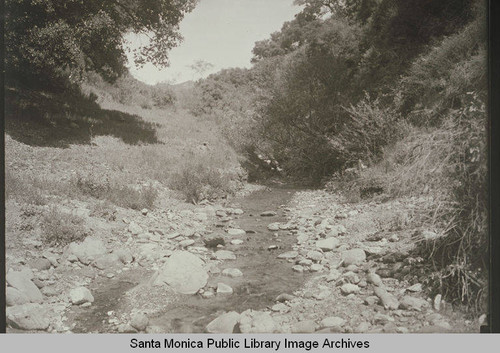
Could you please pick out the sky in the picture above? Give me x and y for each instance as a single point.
(220, 32)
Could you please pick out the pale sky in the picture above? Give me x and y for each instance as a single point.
(221, 32)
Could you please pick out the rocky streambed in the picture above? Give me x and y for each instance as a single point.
(276, 260)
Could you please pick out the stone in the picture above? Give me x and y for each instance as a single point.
(351, 277)
(314, 255)
(236, 241)
(126, 328)
(323, 294)
(40, 264)
(284, 297)
(280, 307)
(207, 294)
(212, 240)
(333, 275)
(80, 295)
(268, 214)
(14, 296)
(437, 302)
(387, 300)
(252, 321)
(327, 244)
(232, 272)
(382, 319)
(134, 228)
(29, 316)
(272, 247)
(90, 248)
(124, 255)
(107, 261)
(298, 268)
(306, 326)
(288, 255)
(274, 226)
(139, 321)
(186, 242)
(353, 257)
(374, 279)
(338, 229)
(371, 300)
(413, 303)
(236, 232)
(316, 268)
(349, 288)
(173, 235)
(183, 272)
(225, 255)
(225, 323)
(415, 288)
(238, 211)
(144, 211)
(332, 321)
(223, 288)
(22, 282)
(363, 327)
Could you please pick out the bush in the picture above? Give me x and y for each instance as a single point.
(61, 228)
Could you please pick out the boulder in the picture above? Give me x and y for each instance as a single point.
(387, 300)
(21, 281)
(268, 214)
(274, 226)
(236, 232)
(90, 248)
(40, 264)
(14, 296)
(134, 228)
(237, 242)
(28, 316)
(124, 255)
(214, 239)
(327, 244)
(284, 297)
(183, 272)
(256, 322)
(223, 288)
(314, 255)
(225, 255)
(139, 321)
(186, 242)
(353, 257)
(232, 272)
(374, 279)
(288, 255)
(413, 303)
(225, 323)
(349, 288)
(107, 261)
(80, 295)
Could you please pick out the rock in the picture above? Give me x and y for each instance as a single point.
(374, 279)
(437, 302)
(126, 328)
(280, 307)
(225, 323)
(382, 319)
(413, 303)
(212, 240)
(268, 214)
(341, 215)
(305, 262)
(223, 288)
(288, 255)
(90, 248)
(107, 261)
(187, 242)
(327, 244)
(351, 277)
(332, 321)
(80, 295)
(349, 288)
(429, 235)
(200, 216)
(144, 212)
(256, 322)
(298, 268)
(316, 268)
(221, 213)
(225, 255)
(173, 235)
(14, 296)
(183, 272)
(314, 255)
(387, 300)
(333, 275)
(134, 228)
(232, 272)
(207, 294)
(363, 327)
(22, 282)
(307, 326)
(272, 247)
(236, 232)
(139, 321)
(274, 227)
(236, 241)
(124, 255)
(401, 329)
(284, 297)
(238, 211)
(393, 238)
(28, 316)
(353, 257)
(371, 300)
(415, 288)
(40, 264)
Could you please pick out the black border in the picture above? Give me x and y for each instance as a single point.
(3, 317)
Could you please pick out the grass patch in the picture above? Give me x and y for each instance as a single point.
(61, 228)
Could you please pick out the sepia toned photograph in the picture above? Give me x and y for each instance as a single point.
(246, 166)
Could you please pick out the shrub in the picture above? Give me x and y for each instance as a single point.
(61, 228)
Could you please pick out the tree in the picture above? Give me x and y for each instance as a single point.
(58, 41)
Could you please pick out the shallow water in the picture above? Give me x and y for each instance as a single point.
(264, 276)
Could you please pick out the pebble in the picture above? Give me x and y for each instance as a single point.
(236, 232)
(237, 242)
(232, 272)
(298, 268)
(349, 288)
(223, 288)
(268, 214)
(274, 227)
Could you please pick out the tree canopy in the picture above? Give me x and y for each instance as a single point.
(54, 40)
